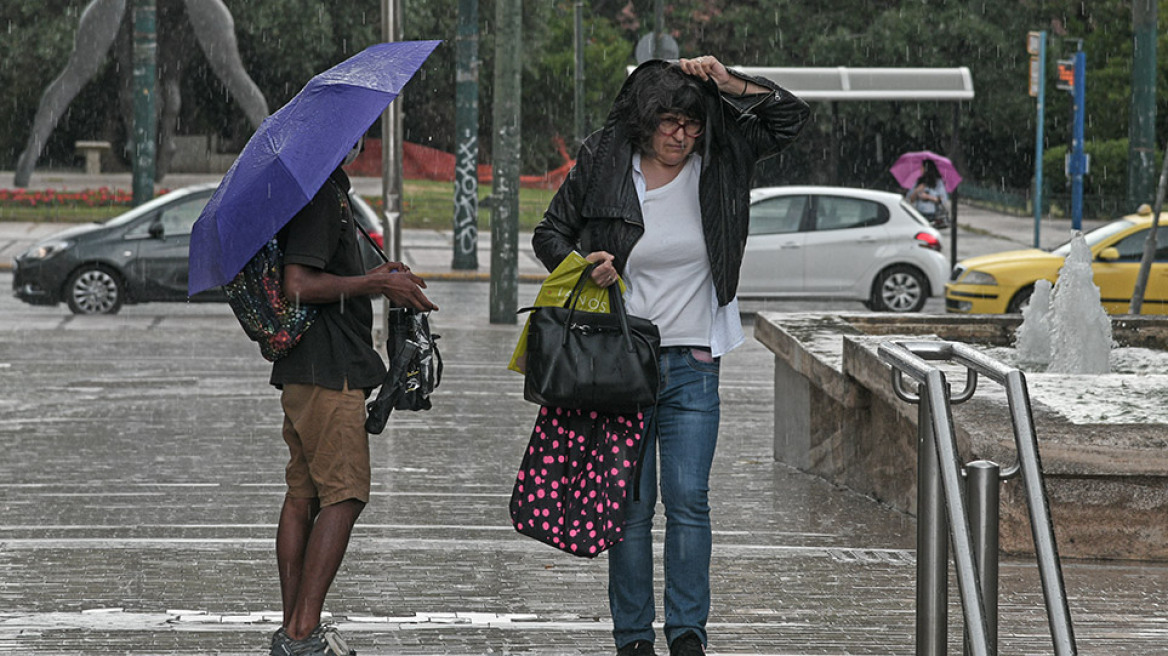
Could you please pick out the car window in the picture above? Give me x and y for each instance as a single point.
(1096, 236)
(836, 213)
(177, 219)
(913, 214)
(776, 216)
(1131, 248)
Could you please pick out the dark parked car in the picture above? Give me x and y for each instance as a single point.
(136, 257)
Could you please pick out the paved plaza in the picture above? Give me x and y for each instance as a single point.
(143, 477)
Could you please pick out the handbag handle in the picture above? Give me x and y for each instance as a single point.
(616, 306)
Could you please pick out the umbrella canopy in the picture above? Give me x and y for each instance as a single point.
(907, 169)
(292, 153)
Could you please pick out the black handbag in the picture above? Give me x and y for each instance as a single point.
(591, 360)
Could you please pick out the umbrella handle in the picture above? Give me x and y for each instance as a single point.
(384, 257)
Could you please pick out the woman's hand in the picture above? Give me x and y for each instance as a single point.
(707, 67)
(605, 273)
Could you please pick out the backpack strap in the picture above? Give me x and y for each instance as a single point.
(345, 201)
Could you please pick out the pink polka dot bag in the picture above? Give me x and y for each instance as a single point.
(574, 478)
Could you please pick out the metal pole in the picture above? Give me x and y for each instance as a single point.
(505, 122)
(658, 28)
(982, 489)
(953, 196)
(950, 472)
(1041, 528)
(466, 118)
(581, 128)
(1039, 139)
(145, 121)
(1078, 160)
(932, 612)
(391, 128)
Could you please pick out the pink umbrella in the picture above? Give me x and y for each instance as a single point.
(907, 169)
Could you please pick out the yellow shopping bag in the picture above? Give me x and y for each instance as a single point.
(556, 289)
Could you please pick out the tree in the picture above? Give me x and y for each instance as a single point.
(285, 42)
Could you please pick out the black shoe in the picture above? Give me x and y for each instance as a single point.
(687, 645)
(637, 648)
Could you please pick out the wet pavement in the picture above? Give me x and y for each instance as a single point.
(143, 478)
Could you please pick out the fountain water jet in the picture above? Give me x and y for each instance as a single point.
(1067, 329)
(1033, 337)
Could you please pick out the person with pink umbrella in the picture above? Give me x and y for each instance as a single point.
(928, 195)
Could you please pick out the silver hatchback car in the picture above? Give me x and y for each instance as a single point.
(841, 243)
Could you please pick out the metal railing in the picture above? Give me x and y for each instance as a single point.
(970, 512)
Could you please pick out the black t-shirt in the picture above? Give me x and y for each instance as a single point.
(338, 347)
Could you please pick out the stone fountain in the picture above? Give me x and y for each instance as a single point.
(1103, 437)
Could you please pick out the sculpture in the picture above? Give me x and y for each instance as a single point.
(99, 26)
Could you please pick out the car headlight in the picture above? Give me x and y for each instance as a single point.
(45, 250)
(975, 277)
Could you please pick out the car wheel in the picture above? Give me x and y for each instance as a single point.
(1020, 300)
(900, 289)
(94, 289)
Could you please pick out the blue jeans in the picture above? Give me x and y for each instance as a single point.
(686, 417)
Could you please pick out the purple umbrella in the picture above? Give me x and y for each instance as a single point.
(292, 153)
(907, 169)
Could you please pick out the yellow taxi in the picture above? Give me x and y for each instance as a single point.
(1002, 282)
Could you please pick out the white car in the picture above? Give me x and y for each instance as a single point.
(841, 243)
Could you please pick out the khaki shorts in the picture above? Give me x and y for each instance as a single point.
(327, 444)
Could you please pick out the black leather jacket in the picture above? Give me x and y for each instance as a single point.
(596, 209)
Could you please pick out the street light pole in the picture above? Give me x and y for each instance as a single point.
(391, 143)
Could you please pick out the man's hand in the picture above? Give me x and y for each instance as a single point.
(392, 280)
(401, 287)
(391, 267)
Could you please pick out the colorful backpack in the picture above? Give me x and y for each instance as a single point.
(256, 296)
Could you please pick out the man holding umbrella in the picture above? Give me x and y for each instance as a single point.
(325, 380)
(288, 183)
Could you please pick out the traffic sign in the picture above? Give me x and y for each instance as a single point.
(1066, 75)
(1033, 42)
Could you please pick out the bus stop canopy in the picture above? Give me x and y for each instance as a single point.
(842, 83)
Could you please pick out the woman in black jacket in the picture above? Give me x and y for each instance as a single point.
(661, 196)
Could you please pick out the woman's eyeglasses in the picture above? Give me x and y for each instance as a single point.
(669, 124)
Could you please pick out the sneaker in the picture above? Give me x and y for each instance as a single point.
(687, 645)
(336, 644)
(637, 648)
(280, 641)
(324, 640)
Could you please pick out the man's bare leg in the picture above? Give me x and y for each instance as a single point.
(319, 559)
(295, 526)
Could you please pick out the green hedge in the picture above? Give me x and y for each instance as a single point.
(1108, 169)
